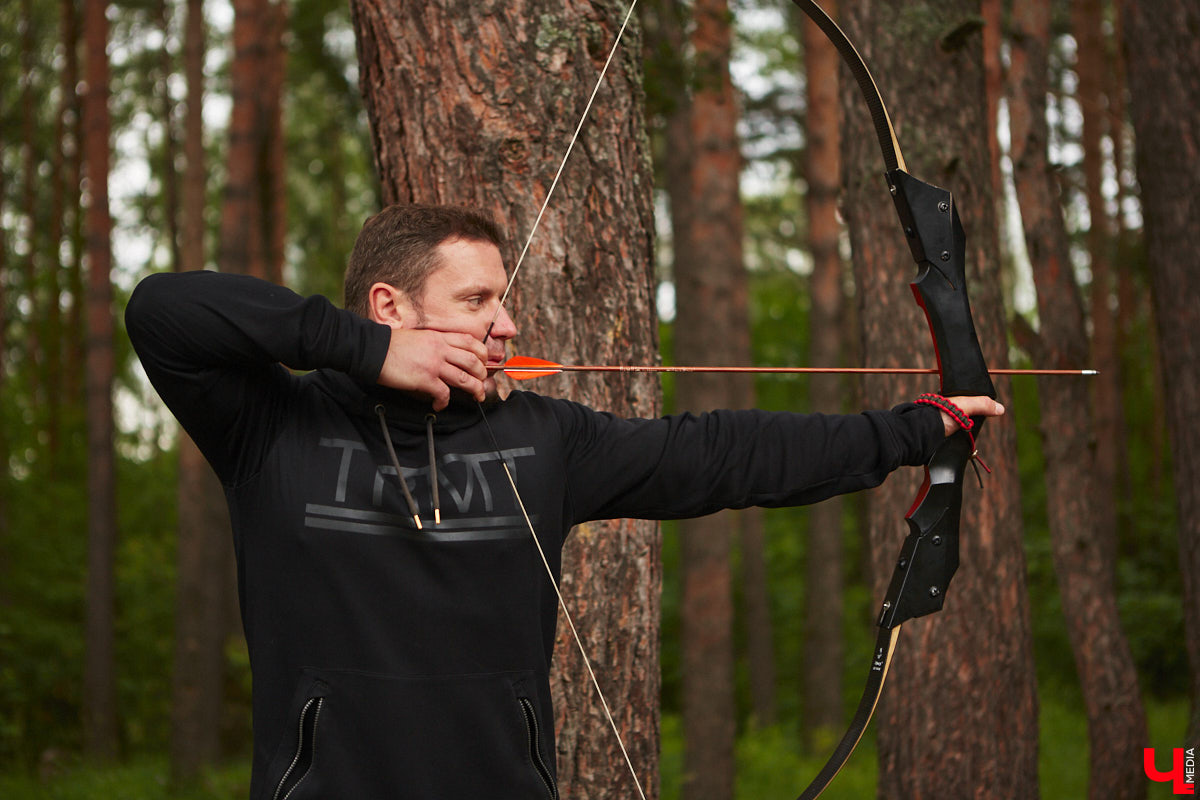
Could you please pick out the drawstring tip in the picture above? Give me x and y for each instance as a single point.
(417, 521)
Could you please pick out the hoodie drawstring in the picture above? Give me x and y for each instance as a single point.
(433, 476)
(387, 438)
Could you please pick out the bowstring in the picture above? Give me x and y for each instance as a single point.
(495, 445)
(561, 166)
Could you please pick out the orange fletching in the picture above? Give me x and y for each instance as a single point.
(524, 368)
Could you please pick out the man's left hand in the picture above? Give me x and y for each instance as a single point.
(981, 406)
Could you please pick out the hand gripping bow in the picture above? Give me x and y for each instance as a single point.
(929, 556)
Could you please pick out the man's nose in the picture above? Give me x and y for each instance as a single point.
(504, 327)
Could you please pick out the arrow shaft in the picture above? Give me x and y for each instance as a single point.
(550, 370)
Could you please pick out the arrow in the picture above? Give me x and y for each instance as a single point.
(524, 368)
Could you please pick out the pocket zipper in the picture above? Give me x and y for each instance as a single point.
(535, 753)
(314, 705)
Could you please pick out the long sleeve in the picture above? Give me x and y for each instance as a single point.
(214, 346)
(688, 465)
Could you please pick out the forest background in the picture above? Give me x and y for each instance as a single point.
(107, 617)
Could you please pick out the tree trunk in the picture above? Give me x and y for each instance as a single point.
(1108, 430)
(202, 585)
(1163, 58)
(192, 196)
(824, 647)
(34, 357)
(274, 176)
(204, 578)
(100, 690)
(712, 321)
(756, 602)
(5, 559)
(57, 267)
(73, 333)
(249, 209)
(170, 143)
(1084, 538)
(476, 106)
(939, 734)
(1133, 297)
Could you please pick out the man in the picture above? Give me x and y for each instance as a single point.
(399, 622)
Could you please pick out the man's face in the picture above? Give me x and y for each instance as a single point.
(462, 295)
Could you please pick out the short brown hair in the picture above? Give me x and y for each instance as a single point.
(398, 246)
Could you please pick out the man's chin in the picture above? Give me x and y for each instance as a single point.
(491, 395)
(491, 392)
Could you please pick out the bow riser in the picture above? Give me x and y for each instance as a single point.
(929, 556)
(938, 244)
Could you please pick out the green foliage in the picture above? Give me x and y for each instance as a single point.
(41, 646)
(1063, 742)
(772, 764)
(1148, 580)
(331, 184)
(41, 642)
(146, 599)
(141, 779)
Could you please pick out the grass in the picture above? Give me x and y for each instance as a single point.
(143, 778)
(770, 765)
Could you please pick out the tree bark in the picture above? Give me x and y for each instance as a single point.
(204, 578)
(1163, 58)
(249, 210)
(100, 690)
(824, 646)
(203, 582)
(5, 447)
(34, 356)
(1133, 297)
(73, 333)
(170, 143)
(939, 734)
(756, 602)
(475, 106)
(712, 321)
(57, 266)
(274, 177)
(1108, 427)
(1083, 528)
(195, 177)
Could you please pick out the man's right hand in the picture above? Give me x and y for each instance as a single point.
(433, 362)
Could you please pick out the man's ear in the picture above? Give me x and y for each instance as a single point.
(388, 305)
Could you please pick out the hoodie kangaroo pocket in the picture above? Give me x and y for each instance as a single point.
(439, 737)
(306, 748)
(540, 765)
(291, 770)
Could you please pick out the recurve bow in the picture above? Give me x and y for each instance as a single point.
(929, 556)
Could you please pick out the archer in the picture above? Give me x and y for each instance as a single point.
(399, 625)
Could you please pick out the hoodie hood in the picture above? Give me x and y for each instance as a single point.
(404, 411)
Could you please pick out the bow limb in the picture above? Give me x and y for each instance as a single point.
(929, 555)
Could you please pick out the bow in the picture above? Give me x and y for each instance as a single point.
(929, 556)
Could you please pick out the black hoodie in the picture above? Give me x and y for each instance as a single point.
(397, 662)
